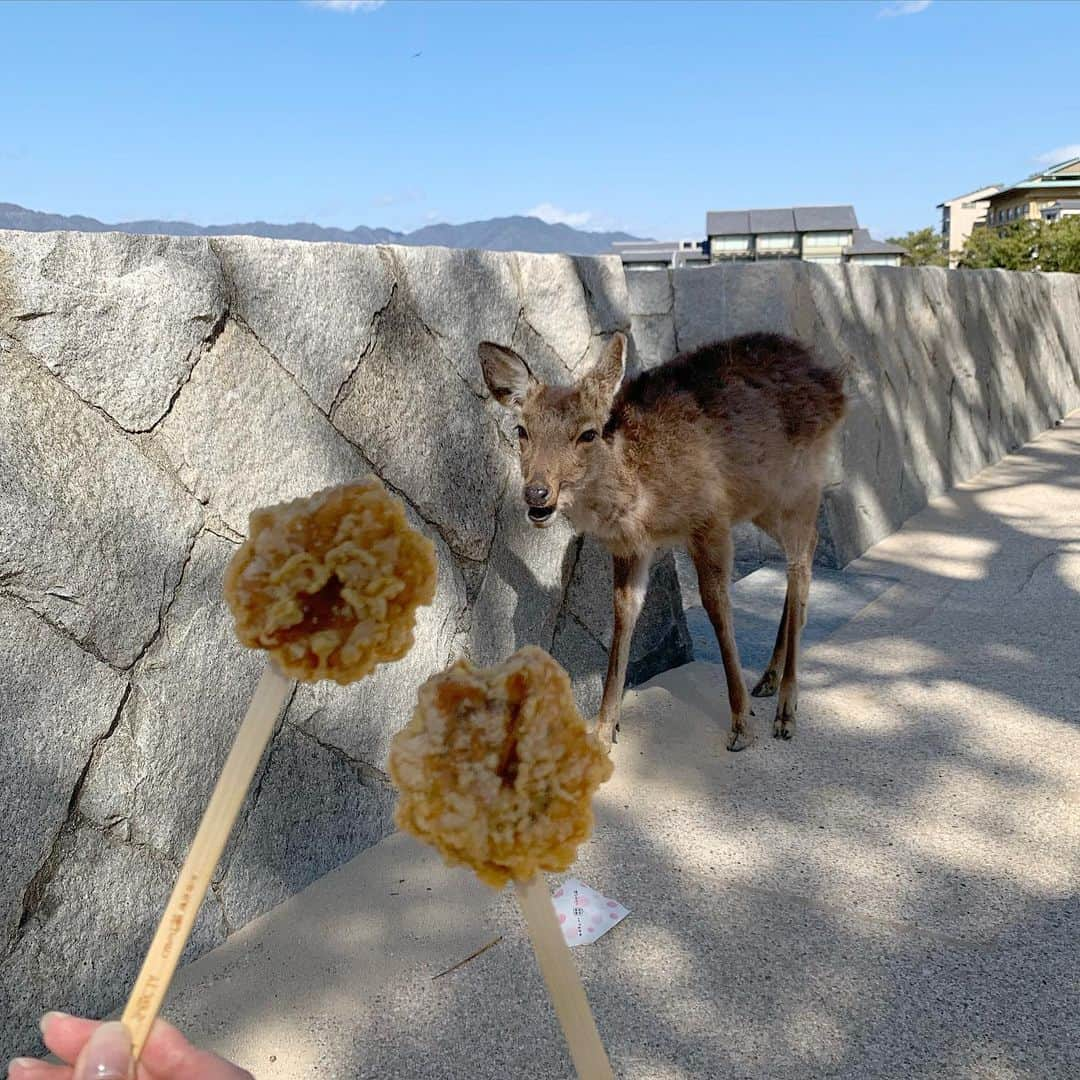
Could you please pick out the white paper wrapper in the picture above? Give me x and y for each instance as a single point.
(584, 914)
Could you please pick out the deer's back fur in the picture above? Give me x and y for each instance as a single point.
(733, 431)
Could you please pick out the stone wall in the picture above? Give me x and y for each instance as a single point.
(152, 391)
(947, 370)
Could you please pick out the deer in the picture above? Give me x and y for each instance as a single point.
(737, 430)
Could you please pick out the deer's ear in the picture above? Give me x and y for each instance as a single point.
(606, 375)
(507, 376)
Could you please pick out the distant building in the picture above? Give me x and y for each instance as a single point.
(960, 215)
(870, 252)
(814, 233)
(828, 234)
(660, 254)
(1063, 208)
(1026, 199)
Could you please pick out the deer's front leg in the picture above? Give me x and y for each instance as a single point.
(713, 552)
(631, 578)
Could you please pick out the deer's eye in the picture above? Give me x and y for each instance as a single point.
(587, 436)
(522, 434)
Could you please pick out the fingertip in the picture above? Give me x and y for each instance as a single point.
(50, 1018)
(168, 1053)
(107, 1054)
(166, 1050)
(32, 1069)
(66, 1035)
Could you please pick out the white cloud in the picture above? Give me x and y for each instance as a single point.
(396, 198)
(347, 5)
(902, 7)
(1062, 153)
(556, 215)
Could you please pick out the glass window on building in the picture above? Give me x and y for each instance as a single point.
(730, 243)
(776, 242)
(827, 239)
(823, 258)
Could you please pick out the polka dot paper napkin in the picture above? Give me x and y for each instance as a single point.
(583, 913)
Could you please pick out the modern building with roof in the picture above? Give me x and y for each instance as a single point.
(1026, 199)
(960, 215)
(828, 234)
(813, 233)
(1063, 208)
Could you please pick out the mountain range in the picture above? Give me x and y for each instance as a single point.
(517, 233)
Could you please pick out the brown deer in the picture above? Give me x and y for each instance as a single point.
(734, 431)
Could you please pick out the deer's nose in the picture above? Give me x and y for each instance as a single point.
(536, 494)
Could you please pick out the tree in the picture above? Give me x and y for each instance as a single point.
(923, 247)
(1059, 246)
(1012, 247)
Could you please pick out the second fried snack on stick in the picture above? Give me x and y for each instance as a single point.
(329, 587)
(497, 771)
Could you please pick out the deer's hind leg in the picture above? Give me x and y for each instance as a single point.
(798, 534)
(769, 682)
(713, 553)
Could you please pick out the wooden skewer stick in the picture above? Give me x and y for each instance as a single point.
(195, 875)
(564, 986)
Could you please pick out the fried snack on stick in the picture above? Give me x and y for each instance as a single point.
(497, 771)
(329, 587)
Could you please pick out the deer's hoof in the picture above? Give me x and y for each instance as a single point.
(767, 685)
(739, 740)
(784, 726)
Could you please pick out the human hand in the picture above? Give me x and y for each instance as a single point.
(96, 1051)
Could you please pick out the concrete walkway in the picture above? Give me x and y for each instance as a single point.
(896, 893)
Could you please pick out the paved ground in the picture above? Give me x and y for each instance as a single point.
(896, 893)
(757, 599)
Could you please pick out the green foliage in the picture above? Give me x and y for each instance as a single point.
(1059, 246)
(923, 247)
(1025, 245)
(1011, 247)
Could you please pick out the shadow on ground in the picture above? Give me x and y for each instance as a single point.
(894, 894)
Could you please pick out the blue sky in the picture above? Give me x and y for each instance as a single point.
(638, 116)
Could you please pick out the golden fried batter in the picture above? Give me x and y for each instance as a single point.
(496, 769)
(330, 585)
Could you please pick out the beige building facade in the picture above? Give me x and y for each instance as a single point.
(960, 215)
(1026, 199)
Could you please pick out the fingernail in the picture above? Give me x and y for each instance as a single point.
(21, 1064)
(49, 1017)
(107, 1056)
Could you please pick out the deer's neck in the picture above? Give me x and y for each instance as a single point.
(613, 506)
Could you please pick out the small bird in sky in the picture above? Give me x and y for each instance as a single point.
(416, 54)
